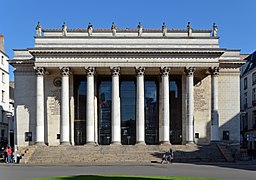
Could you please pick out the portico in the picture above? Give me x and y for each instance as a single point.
(124, 88)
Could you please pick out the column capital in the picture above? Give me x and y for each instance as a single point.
(115, 71)
(165, 71)
(190, 71)
(140, 71)
(214, 71)
(65, 71)
(90, 71)
(40, 71)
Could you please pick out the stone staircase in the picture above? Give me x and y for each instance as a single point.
(90, 154)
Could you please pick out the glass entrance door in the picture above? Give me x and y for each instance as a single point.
(104, 112)
(175, 110)
(151, 112)
(80, 110)
(128, 112)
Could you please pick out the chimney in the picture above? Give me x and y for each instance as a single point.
(2, 42)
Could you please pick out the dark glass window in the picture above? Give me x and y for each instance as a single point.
(175, 110)
(151, 112)
(128, 112)
(105, 112)
(80, 109)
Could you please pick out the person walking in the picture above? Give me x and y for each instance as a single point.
(9, 154)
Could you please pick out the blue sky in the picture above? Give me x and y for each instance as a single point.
(236, 19)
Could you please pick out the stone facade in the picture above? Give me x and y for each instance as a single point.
(207, 103)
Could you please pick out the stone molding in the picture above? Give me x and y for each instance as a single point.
(165, 71)
(140, 71)
(90, 71)
(40, 71)
(115, 71)
(65, 71)
(190, 71)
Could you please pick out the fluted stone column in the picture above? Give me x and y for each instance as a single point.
(65, 124)
(115, 112)
(90, 106)
(140, 113)
(40, 72)
(215, 110)
(165, 105)
(190, 104)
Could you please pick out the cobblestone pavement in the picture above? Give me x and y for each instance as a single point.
(239, 170)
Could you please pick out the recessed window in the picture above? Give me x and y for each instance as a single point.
(254, 78)
(245, 100)
(3, 94)
(225, 135)
(2, 59)
(245, 83)
(3, 77)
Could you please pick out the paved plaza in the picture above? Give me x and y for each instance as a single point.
(239, 170)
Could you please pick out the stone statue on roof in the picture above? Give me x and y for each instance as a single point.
(89, 29)
(215, 30)
(38, 29)
(189, 29)
(113, 29)
(164, 29)
(64, 29)
(139, 29)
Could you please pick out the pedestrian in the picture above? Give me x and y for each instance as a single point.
(9, 154)
(168, 157)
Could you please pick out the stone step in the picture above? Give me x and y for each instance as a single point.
(106, 154)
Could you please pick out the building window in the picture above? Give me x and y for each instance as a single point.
(254, 120)
(2, 59)
(245, 100)
(254, 78)
(254, 96)
(3, 94)
(3, 77)
(225, 135)
(2, 133)
(245, 83)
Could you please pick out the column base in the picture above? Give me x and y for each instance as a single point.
(90, 143)
(190, 143)
(166, 143)
(115, 143)
(140, 143)
(65, 144)
(40, 144)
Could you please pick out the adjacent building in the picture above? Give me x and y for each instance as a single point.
(4, 94)
(248, 103)
(126, 86)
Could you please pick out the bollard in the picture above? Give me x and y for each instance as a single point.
(15, 152)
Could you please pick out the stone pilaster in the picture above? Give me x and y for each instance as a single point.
(190, 104)
(90, 106)
(40, 72)
(165, 105)
(115, 113)
(140, 114)
(214, 109)
(65, 124)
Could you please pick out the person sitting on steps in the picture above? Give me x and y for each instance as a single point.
(168, 157)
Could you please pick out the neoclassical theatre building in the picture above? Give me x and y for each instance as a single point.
(126, 86)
